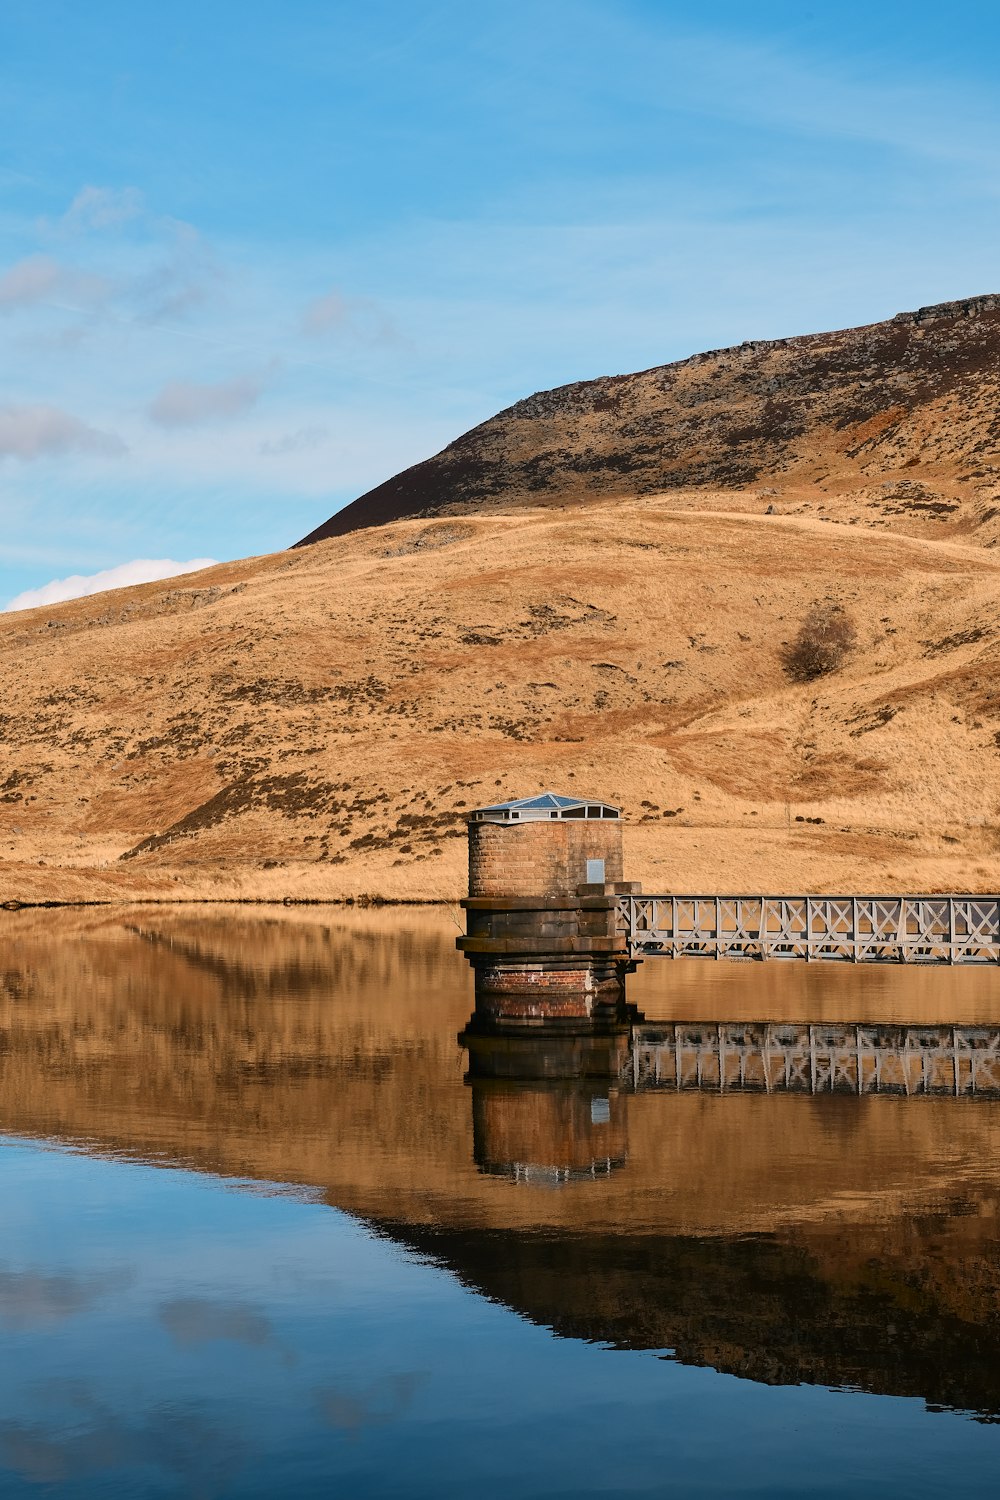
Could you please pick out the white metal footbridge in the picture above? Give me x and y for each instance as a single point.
(855, 929)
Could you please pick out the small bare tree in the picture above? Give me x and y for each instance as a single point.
(825, 638)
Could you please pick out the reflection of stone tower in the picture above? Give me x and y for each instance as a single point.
(550, 1133)
(541, 913)
(548, 1052)
(546, 1106)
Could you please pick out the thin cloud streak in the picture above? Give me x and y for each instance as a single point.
(31, 432)
(39, 278)
(31, 280)
(299, 441)
(324, 313)
(188, 403)
(100, 208)
(187, 279)
(359, 317)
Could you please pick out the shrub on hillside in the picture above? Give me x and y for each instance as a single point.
(825, 638)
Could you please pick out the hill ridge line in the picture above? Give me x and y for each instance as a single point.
(910, 401)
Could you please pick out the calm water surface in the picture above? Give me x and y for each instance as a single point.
(261, 1236)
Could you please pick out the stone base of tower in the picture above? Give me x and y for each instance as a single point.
(544, 960)
(543, 989)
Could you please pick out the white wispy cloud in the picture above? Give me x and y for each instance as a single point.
(28, 281)
(166, 267)
(361, 317)
(39, 278)
(185, 280)
(188, 403)
(99, 208)
(298, 441)
(28, 432)
(322, 314)
(141, 570)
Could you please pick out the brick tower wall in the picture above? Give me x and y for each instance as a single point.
(541, 858)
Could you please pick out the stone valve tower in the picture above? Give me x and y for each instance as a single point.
(541, 930)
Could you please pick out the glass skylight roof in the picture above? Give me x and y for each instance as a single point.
(545, 805)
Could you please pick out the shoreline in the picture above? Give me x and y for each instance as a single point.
(363, 902)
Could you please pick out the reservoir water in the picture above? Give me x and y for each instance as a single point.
(263, 1235)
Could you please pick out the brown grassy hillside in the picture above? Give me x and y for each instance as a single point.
(315, 723)
(894, 425)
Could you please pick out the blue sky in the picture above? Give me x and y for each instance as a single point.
(256, 257)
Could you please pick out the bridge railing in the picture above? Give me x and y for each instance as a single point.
(804, 1057)
(856, 929)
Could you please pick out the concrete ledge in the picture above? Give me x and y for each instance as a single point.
(611, 888)
(610, 947)
(537, 903)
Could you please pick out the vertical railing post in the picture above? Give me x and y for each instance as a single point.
(854, 929)
(808, 928)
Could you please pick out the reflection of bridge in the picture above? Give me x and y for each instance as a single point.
(800, 1057)
(860, 929)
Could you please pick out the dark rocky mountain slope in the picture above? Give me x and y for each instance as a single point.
(896, 422)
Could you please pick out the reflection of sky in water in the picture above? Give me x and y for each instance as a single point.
(166, 1334)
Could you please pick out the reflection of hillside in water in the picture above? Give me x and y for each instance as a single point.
(824, 1238)
(913, 1312)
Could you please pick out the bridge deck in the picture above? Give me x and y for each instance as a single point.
(858, 929)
